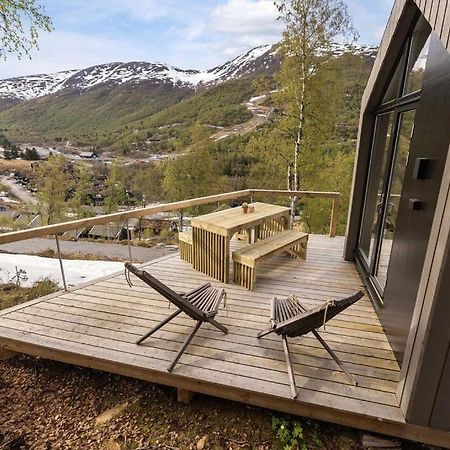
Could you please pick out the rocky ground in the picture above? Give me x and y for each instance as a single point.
(46, 405)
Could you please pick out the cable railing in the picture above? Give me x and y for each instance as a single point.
(123, 217)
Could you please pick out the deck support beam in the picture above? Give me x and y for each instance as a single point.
(6, 354)
(184, 395)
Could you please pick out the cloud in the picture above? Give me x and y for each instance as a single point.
(370, 18)
(245, 17)
(185, 33)
(66, 50)
(234, 27)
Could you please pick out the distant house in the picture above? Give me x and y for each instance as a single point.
(88, 155)
(111, 231)
(75, 234)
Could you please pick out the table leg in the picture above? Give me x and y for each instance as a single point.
(226, 259)
(211, 254)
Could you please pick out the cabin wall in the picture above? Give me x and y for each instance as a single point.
(424, 388)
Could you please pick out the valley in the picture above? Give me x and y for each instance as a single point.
(173, 133)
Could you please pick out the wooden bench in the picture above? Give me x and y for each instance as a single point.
(185, 243)
(247, 258)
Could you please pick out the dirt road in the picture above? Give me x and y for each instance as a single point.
(102, 250)
(18, 191)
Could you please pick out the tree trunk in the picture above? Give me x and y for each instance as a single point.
(299, 141)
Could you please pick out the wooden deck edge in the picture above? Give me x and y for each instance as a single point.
(6, 354)
(190, 385)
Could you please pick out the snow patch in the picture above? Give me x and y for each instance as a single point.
(38, 267)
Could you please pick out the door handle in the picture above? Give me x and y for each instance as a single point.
(415, 205)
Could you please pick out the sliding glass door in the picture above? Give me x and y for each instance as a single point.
(393, 131)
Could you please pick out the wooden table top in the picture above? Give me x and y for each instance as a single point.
(230, 221)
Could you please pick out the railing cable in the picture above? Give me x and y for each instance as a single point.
(61, 263)
(129, 241)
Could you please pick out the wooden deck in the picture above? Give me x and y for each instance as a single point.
(95, 325)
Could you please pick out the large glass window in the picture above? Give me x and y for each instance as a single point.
(394, 192)
(375, 186)
(393, 132)
(408, 74)
(418, 56)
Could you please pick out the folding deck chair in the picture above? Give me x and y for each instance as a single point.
(289, 318)
(200, 304)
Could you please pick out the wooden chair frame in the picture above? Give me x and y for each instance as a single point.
(201, 304)
(289, 318)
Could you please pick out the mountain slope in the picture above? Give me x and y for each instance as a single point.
(117, 73)
(101, 105)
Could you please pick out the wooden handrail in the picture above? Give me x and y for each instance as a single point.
(47, 230)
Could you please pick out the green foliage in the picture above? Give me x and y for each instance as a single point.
(11, 151)
(126, 117)
(292, 436)
(82, 196)
(147, 182)
(53, 183)
(31, 154)
(7, 224)
(20, 23)
(40, 288)
(114, 192)
(220, 106)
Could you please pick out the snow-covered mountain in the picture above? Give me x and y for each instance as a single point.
(257, 60)
(117, 73)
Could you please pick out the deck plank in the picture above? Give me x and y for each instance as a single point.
(96, 325)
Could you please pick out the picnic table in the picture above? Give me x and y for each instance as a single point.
(212, 233)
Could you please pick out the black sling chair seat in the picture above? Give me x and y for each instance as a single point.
(200, 304)
(289, 318)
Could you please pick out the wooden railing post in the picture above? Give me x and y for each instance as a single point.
(181, 219)
(334, 216)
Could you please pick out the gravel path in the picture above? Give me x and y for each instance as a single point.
(109, 251)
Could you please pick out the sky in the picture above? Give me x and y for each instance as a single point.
(190, 34)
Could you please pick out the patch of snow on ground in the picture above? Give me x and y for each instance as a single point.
(38, 267)
(256, 99)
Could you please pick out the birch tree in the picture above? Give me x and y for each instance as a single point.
(20, 24)
(305, 95)
(114, 191)
(53, 182)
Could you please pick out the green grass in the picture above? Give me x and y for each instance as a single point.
(12, 294)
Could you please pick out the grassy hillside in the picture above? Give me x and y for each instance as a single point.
(115, 117)
(96, 117)
(218, 106)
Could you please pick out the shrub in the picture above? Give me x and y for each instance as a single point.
(42, 287)
(292, 436)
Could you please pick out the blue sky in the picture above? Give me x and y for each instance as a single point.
(186, 33)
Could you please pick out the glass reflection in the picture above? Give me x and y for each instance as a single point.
(405, 133)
